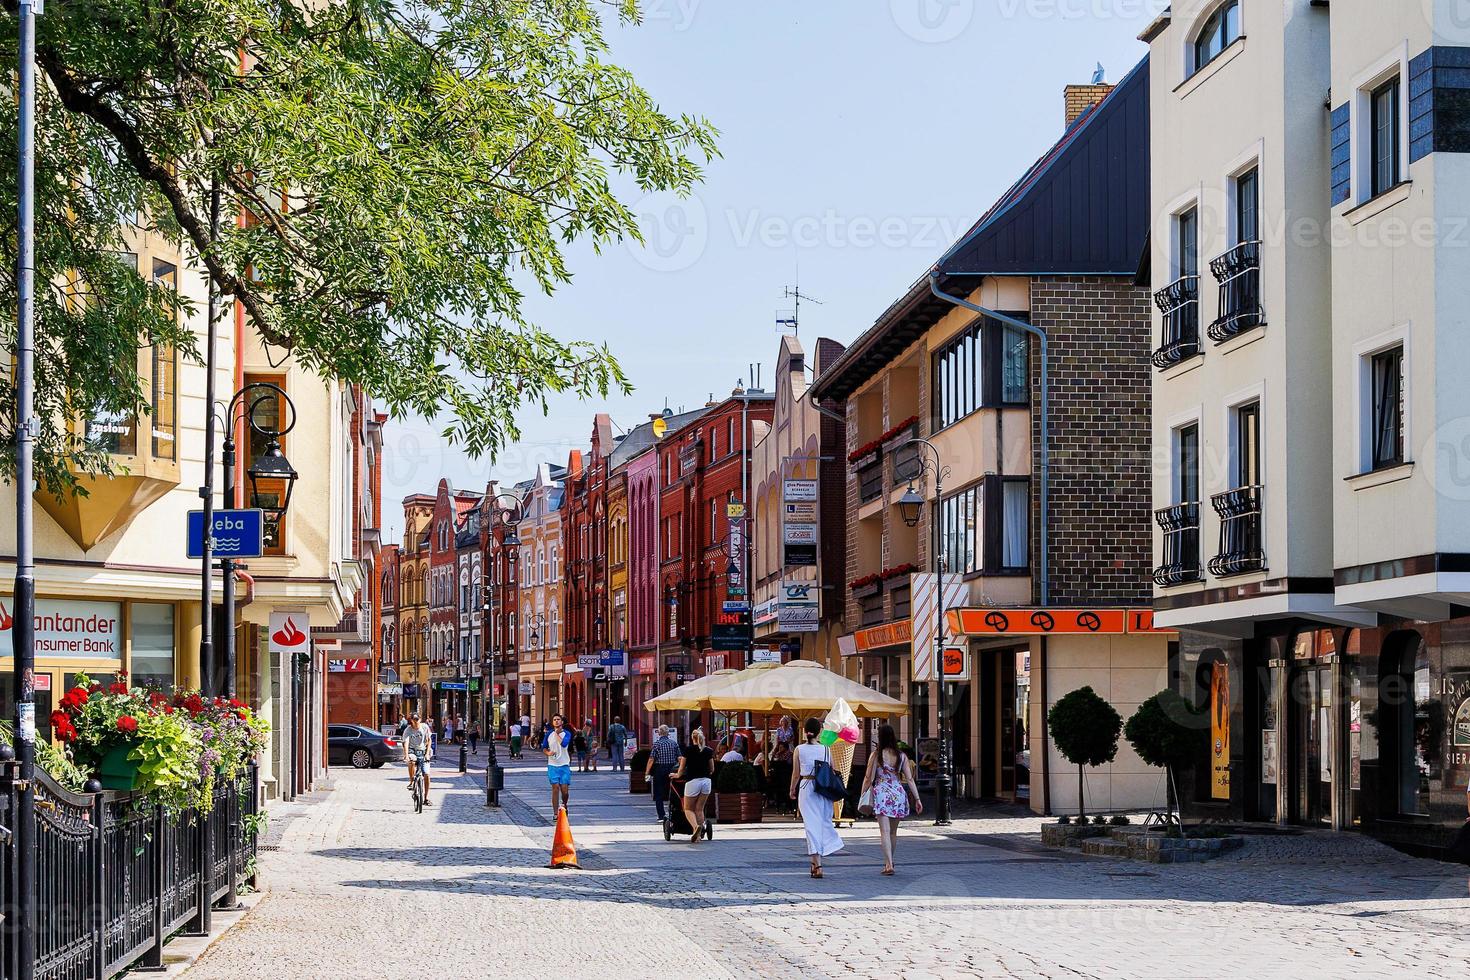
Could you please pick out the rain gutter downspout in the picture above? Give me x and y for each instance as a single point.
(1040, 335)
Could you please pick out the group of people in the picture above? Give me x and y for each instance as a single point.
(889, 791)
(586, 742)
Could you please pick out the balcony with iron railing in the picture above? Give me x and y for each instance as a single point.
(1242, 549)
(1179, 303)
(1181, 564)
(1238, 272)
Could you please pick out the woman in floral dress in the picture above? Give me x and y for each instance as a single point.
(890, 778)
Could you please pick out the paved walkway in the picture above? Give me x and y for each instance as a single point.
(363, 887)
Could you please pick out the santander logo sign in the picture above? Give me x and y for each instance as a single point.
(285, 635)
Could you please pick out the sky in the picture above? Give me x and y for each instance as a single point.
(859, 139)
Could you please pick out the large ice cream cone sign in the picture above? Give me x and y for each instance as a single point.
(6, 620)
(289, 632)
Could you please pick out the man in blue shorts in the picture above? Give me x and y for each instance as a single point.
(558, 762)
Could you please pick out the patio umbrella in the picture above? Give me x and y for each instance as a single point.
(801, 687)
(695, 695)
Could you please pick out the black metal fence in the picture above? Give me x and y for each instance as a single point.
(117, 876)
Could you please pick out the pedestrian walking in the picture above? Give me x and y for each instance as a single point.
(475, 737)
(594, 744)
(557, 748)
(580, 742)
(525, 726)
(822, 838)
(617, 741)
(695, 767)
(515, 740)
(890, 780)
(662, 759)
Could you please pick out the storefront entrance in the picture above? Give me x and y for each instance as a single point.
(1313, 738)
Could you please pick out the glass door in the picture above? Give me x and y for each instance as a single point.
(1314, 751)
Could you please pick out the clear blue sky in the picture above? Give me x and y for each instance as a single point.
(859, 138)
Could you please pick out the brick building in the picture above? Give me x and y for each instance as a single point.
(702, 470)
(1060, 251)
(499, 514)
(353, 646)
(799, 529)
(390, 683)
(413, 602)
(584, 518)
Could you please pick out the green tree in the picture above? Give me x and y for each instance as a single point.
(409, 168)
(1167, 731)
(1085, 729)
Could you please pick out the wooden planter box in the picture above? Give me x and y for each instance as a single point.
(739, 807)
(637, 782)
(863, 591)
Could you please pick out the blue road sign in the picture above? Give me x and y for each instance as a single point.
(237, 533)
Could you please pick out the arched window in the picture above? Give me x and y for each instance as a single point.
(1220, 30)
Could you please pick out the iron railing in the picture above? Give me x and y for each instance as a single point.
(1179, 303)
(1238, 272)
(1241, 547)
(117, 876)
(1180, 525)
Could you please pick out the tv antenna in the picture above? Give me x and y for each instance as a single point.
(792, 323)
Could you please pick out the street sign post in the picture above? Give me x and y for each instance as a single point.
(237, 533)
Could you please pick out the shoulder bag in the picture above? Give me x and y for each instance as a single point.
(827, 781)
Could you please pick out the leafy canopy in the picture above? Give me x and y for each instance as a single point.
(1167, 731)
(404, 168)
(1085, 728)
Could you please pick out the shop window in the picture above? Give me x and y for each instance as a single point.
(1412, 724)
(151, 640)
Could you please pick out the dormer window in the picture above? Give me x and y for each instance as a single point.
(1221, 29)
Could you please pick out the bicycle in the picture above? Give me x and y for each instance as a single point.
(418, 783)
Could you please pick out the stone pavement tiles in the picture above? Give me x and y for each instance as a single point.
(363, 887)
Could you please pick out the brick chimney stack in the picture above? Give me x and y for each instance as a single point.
(1079, 97)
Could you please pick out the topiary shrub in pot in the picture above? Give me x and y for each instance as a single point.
(1085, 729)
(738, 794)
(1169, 732)
(637, 766)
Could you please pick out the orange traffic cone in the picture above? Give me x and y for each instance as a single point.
(563, 850)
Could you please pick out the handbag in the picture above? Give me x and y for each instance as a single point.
(827, 781)
(865, 802)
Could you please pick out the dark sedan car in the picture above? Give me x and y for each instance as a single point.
(360, 747)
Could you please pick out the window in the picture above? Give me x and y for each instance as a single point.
(714, 525)
(1412, 726)
(730, 435)
(1221, 30)
(1186, 243)
(1015, 523)
(1247, 439)
(1247, 207)
(152, 644)
(1186, 464)
(985, 366)
(1384, 141)
(1387, 370)
(164, 394)
(961, 540)
(555, 564)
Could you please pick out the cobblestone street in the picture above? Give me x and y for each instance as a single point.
(359, 886)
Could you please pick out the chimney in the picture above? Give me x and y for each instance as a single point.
(1080, 97)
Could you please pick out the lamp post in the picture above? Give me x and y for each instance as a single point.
(270, 468)
(911, 506)
(494, 775)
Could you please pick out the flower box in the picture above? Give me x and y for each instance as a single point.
(739, 807)
(117, 769)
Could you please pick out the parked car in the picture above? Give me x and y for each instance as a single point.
(359, 747)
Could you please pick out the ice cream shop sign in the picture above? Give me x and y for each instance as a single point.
(68, 628)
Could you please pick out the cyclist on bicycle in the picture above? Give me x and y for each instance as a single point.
(418, 750)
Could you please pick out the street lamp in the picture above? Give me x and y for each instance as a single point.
(910, 507)
(494, 775)
(271, 476)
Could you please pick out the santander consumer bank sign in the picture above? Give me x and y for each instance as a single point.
(68, 628)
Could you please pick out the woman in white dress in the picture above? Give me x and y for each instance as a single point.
(816, 810)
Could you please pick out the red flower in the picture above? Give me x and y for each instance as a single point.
(127, 723)
(236, 703)
(194, 703)
(59, 718)
(242, 715)
(76, 697)
(117, 689)
(64, 729)
(168, 709)
(96, 688)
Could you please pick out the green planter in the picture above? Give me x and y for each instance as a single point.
(116, 770)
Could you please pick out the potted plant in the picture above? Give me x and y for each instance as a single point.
(738, 795)
(866, 455)
(1168, 731)
(896, 575)
(637, 766)
(1085, 729)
